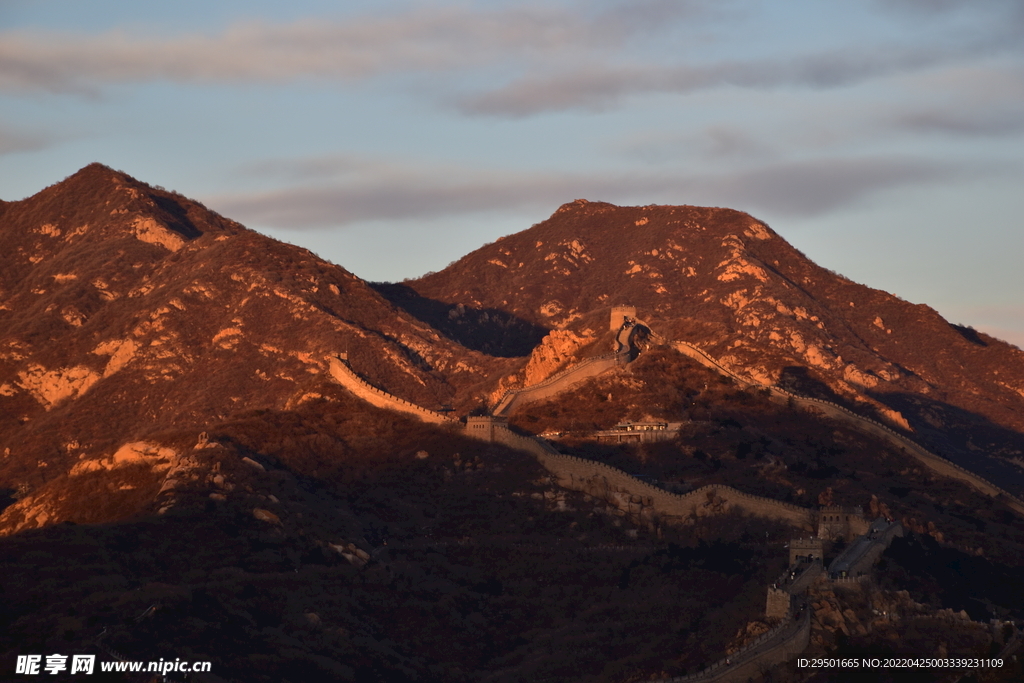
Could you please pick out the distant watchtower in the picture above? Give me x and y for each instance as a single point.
(836, 521)
(805, 550)
(482, 427)
(619, 316)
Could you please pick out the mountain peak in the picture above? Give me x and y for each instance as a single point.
(98, 203)
(99, 171)
(589, 253)
(93, 180)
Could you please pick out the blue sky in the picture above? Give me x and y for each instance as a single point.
(884, 138)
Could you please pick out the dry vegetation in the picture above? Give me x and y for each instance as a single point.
(472, 577)
(474, 566)
(737, 437)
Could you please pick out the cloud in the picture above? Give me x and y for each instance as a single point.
(424, 39)
(14, 140)
(544, 58)
(721, 142)
(985, 100)
(807, 188)
(352, 191)
(339, 191)
(972, 123)
(944, 6)
(969, 102)
(599, 87)
(999, 22)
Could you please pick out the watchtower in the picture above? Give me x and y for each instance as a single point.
(805, 550)
(836, 521)
(619, 315)
(777, 604)
(482, 427)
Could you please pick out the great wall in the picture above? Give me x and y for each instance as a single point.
(571, 376)
(862, 554)
(934, 462)
(779, 645)
(638, 499)
(341, 372)
(641, 499)
(558, 383)
(650, 505)
(580, 474)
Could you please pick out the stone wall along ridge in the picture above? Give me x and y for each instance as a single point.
(580, 473)
(344, 375)
(865, 551)
(806, 578)
(536, 447)
(746, 663)
(934, 462)
(557, 383)
(589, 476)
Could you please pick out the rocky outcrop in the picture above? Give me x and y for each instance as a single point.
(554, 351)
(137, 475)
(563, 381)
(861, 611)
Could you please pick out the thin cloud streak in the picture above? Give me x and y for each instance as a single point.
(938, 7)
(14, 140)
(419, 40)
(976, 123)
(808, 188)
(987, 103)
(393, 193)
(598, 88)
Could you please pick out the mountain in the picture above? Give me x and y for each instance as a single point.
(187, 471)
(724, 281)
(129, 311)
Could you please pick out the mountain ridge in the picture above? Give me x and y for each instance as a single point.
(181, 473)
(724, 281)
(121, 317)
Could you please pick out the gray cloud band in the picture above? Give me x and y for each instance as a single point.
(438, 38)
(794, 189)
(533, 41)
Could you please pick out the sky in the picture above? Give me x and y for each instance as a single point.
(883, 138)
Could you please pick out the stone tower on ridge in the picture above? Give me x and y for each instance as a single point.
(619, 315)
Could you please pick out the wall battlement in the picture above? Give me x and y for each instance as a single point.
(836, 521)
